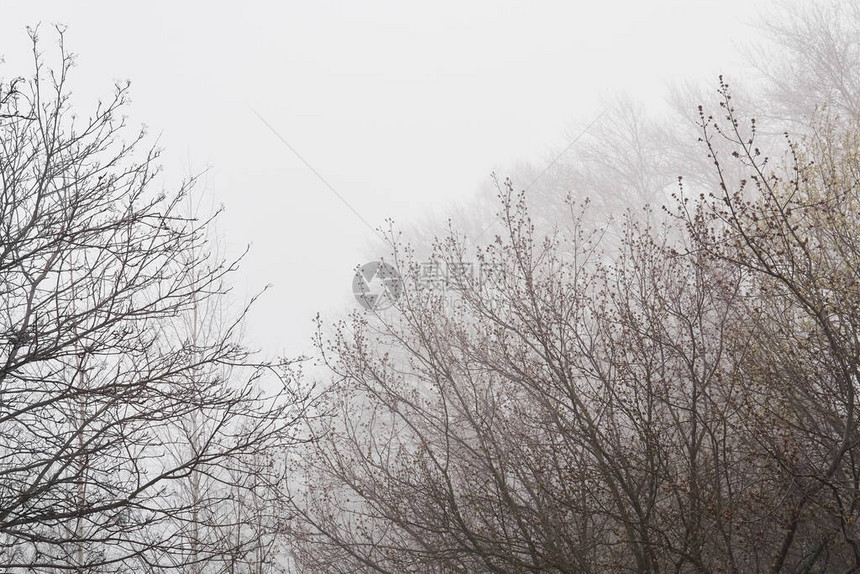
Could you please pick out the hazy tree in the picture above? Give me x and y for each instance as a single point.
(809, 59)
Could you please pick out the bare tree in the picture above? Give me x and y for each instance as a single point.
(107, 400)
(688, 404)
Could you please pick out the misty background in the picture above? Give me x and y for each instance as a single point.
(403, 108)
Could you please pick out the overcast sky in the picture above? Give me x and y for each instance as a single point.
(402, 107)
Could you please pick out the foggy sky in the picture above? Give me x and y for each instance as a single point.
(402, 107)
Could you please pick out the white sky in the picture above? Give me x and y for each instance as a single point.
(403, 107)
